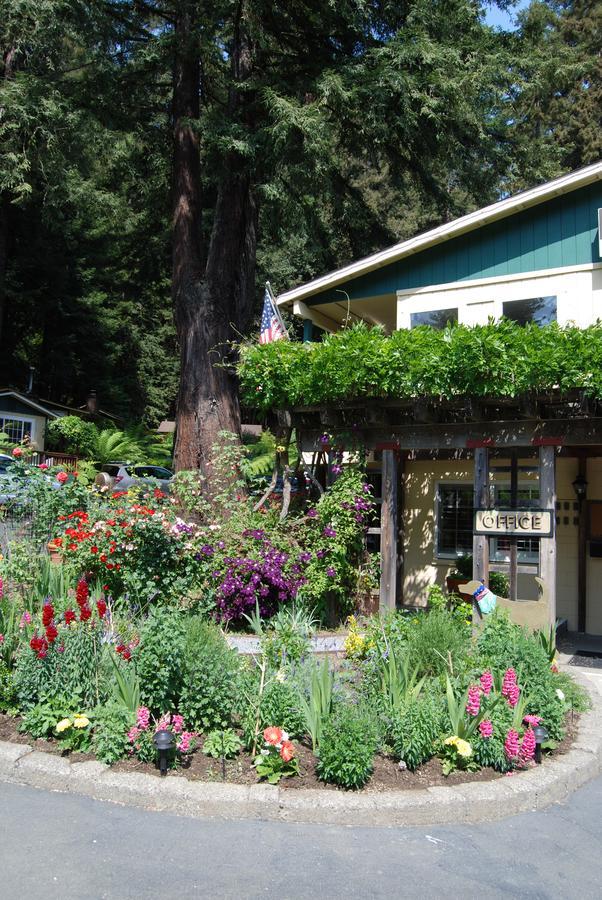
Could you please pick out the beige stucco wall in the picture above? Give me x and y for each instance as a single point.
(422, 567)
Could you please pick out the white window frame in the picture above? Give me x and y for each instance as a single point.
(16, 418)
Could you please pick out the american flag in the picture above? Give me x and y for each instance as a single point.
(272, 326)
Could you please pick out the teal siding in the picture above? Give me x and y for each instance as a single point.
(556, 233)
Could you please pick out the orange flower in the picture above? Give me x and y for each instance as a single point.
(287, 751)
(272, 735)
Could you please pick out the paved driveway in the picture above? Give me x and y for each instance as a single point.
(65, 846)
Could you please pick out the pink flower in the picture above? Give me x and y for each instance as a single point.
(17, 452)
(177, 724)
(486, 681)
(485, 728)
(511, 748)
(25, 619)
(143, 717)
(133, 734)
(184, 744)
(1, 638)
(513, 694)
(527, 747)
(43, 466)
(532, 720)
(62, 477)
(163, 723)
(473, 704)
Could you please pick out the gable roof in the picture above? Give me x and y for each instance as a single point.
(23, 398)
(480, 217)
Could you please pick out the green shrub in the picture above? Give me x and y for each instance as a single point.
(280, 705)
(347, 748)
(159, 659)
(436, 641)
(416, 729)
(8, 694)
(223, 743)
(109, 740)
(210, 674)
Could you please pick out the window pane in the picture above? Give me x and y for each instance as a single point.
(436, 318)
(15, 429)
(541, 310)
(455, 520)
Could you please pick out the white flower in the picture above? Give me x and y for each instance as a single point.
(264, 752)
(560, 694)
(284, 736)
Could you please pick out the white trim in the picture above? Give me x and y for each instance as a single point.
(492, 213)
(28, 402)
(15, 417)
(497, 279)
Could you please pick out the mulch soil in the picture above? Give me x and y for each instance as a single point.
(387, 775)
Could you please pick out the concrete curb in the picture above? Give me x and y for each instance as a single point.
(551, 782)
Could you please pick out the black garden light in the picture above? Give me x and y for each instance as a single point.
(580, 487)
(163, 741)
(541, 736)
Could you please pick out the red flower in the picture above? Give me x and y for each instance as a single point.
(85, 613)
(36, 643)
(47, 614)
(51, 633)
(101, 606)
(17, 452)
(73, 546)
(93, 549)
(82, 592)
(69, 616)
(103, 557)
(287, 751)
(62, 477)
(126, 654)
(272, 735)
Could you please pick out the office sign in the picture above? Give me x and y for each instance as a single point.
(514, 522)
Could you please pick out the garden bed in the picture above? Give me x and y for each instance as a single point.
(387, 775)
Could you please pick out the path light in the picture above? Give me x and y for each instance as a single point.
(163, 741)
(541, 736)
(580, 487)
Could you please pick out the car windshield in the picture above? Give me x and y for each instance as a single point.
(5, 464)
(152, 472)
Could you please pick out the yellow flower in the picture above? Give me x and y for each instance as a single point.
(452, 740)
(63, 725)
(463, 748)
(80, 721)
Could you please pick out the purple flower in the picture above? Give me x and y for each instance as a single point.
(304, 557)
(336, 469)
(324, 438)
(207, 550)
(321, 554)
(312, 513)
(329, 532)
(331, 572)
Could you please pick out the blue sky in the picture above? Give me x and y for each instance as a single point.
(495, 16)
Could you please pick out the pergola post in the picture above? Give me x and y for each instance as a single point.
(388, 532)
(547, 545)
(480, 542)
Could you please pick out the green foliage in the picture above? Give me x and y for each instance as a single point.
(109, 740)
(126, 687)
(287, 637)
(280, 703)
(222, 744)
(40, 720)
(71, 434)
(437, 642)
(547, 639)
(501, 359)
(347, 748)
(209, 673)
(317, 707)
(399, 682)
(8, 694)
(159, 659)
(416, 729)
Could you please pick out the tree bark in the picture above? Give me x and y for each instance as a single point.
(212, 303)
(9, 64)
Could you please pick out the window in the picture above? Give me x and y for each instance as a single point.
(540, 310)
(436, 318)
(527, 548)
(152, 472)
(16, 429)
(454, 519)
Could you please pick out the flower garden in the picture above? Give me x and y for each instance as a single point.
(124, 635)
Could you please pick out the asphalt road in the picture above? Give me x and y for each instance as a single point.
(65, 846)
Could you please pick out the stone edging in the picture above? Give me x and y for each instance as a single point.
(469, 803)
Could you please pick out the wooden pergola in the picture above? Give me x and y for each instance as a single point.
(540, 425)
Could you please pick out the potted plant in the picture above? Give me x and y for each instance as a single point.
(498, 581)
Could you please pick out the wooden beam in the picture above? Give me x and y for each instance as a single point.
(547, 546)
(480, 542)
(388, 532)
(514, 540)
(582, 553)
(459, 435)
(400, 530)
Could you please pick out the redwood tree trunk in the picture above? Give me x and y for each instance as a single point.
(212, 303)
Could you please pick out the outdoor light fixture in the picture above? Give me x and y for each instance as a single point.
(163, 741)
(580, 487)
(541, 736)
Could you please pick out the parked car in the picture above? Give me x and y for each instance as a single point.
(123, 476)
